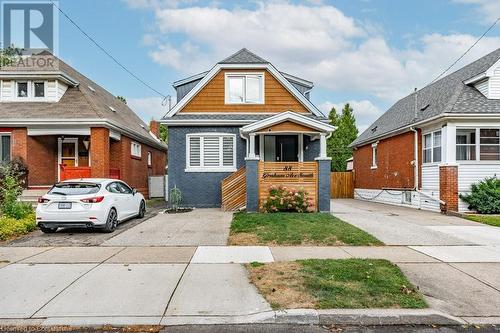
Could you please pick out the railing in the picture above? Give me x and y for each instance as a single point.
(72, 172)
(234, 190)
(114, 173)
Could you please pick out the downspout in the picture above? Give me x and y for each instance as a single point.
(416, 178)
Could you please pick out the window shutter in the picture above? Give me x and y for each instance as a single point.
(194, 151)
(228, 151)
(211, 153)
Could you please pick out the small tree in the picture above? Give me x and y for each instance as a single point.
(11, 190)
(8, 55)
(346, 132)
(163, 133)
(175, 198)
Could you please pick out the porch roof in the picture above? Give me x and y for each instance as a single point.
(305, 124)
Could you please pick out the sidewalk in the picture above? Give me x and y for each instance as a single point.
(179, 285)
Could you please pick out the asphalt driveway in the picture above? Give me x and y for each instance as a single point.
(198, 227)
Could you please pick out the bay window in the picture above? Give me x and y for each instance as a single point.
(469, 148)
(211, 152)
(466, 144)
(244, 88)
(431, 150)
(489, 144)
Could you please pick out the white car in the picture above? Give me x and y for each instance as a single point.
(88, 203)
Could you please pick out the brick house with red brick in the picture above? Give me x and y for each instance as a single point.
(63, 126)
(433, 144)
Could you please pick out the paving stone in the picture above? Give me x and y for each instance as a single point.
(231, 254)
(73, 255)
(391, 253)
(291, 253)
(153, 255)
(118, 290)
(26, 288)
(216, 290)
(13, 254)
(460, 253)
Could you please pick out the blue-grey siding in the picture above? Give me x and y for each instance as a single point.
(311, 149)
(199, 189)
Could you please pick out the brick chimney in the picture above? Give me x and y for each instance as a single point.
(154, 127)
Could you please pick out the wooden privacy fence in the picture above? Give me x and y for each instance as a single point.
(342, 185)
(234, 191)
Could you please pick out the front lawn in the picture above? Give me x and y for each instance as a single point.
(335, 284)
(11, 228)
(295, 229)
(493, 220)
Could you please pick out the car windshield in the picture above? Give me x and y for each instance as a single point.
(74, 189)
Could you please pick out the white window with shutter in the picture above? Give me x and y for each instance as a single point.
(210, 152)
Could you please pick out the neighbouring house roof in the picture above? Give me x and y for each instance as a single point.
(243, 58)
(85, 101)
(448, 95)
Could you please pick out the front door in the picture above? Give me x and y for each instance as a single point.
(68, 153)
(281, 148)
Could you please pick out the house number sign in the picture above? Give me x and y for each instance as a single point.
(286, 172)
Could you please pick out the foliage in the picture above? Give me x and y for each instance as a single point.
(122, 99)
(282, 199)
(346, 132)
(11, 190)
(175, 198)
(296, 229)
(163, 133)
(8, 55)
(11, 227)
(484, 196)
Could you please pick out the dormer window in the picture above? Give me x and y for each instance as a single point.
(244, 88)
(39, 89)
(22, 89)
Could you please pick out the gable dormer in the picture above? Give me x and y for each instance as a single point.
(243, 83)
(31, 90)
(487, 83)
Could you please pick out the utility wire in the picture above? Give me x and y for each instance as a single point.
(470, 48)
(165, 97)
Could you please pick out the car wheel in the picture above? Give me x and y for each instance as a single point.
(46, 230)
(112, 221)
(142, 210)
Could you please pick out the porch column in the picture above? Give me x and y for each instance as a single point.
(252, 183)
(251, 153)
(99, 152)
(322, 146)
(19, 144)
(448, 187)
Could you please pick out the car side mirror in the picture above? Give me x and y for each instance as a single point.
(134, 191)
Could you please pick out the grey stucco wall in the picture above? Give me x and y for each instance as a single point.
(311, 149)
(199, 189)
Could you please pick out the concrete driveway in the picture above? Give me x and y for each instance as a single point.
(396, 225)
(199, 227)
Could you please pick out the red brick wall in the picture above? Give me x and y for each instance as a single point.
(448, 187)
(99, 152)
(42, 160)
(394, 168)
(19, 143)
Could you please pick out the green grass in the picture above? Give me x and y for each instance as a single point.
(296, 229)
(156, 202)
(493, 220)
(10, 227)
(359, 283)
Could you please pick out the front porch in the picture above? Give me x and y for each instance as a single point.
(287, 149)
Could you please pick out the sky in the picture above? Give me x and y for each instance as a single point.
(369, 53)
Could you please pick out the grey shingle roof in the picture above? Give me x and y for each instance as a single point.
(80, 103)
(244, 56)
(447, 95)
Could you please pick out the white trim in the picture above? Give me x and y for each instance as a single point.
(374, 156)
(189, 79)
(132, 152)
(115, 135)
(431, 148)
(270, 68)
(39, 75)
(298, 80)
(291, 116)
(59, 153)
(58, 131)
(202, 168)
(244, 75)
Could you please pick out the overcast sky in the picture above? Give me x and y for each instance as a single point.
(366, 52)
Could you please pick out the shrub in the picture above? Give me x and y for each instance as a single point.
(282, 199)
(10, 191)
(175, 198)
(11, 227)
(484, 196)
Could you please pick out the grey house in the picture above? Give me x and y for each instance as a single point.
(241, 127)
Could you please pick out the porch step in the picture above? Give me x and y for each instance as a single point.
(32, 195)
